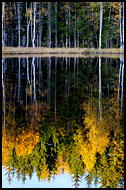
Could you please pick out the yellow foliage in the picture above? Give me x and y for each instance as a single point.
(25, 142)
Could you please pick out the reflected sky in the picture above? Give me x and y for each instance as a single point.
(61, 181)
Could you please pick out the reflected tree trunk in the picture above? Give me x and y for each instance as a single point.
(40, 75)
(49, 82)
(33, 65)
(31, 85)
(120, 68)
(3, 86)
(19, 78)
(28, 71)
(100, 92)
(55, 82)
(122, 82)
(74, 75)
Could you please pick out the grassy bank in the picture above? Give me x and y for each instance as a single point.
(45, 50)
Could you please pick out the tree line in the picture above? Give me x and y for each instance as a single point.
(63, 24)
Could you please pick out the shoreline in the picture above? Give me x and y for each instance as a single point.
(55, 51)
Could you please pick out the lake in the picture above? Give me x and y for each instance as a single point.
(62, 122)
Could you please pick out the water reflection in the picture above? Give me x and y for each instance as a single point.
(51, 112)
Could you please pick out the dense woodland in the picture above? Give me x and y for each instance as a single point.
(63, 24)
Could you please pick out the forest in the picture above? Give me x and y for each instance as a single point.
(63, 24)
(63, 92)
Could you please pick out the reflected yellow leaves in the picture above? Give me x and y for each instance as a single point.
(25, 142)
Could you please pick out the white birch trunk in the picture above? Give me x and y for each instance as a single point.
(19, 25)
(56, 25)
(69, 27)
(33, 39)
(28, 23)
(75, 29)
(49, 24)
(31, 19)
(3, 16)
(123, 27)
(40, 28)
(101, 17)
(120, 25)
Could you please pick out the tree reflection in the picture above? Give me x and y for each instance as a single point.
(51, 134)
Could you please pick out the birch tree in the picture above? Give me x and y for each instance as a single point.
(49, 24)
(3, 17)
(120, 25)
(75, 28)
(123, 26)
(28, 23)
(66, 26)
(33, 39)
(19, 24)
(69, 26)
(56, 24)
(100, 32)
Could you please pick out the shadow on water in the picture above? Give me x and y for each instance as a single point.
(64, 115)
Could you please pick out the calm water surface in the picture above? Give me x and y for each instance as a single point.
(62, 122)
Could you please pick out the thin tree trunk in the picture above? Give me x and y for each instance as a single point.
(28, 23)
(33, 65)
(3, 17)
(75, 29)
(19, 78)
(55, 83)
(123, 27)
(31, 19)
(69, 27)
(122, 83)
(49, 82)
(101, 16)
(49, 24)
(19, 25)
(120, 25)
(33, 39)
(56, 25)
(40, 28)
(28, 71)
(3, 86)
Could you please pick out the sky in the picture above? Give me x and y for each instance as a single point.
(61, 181)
